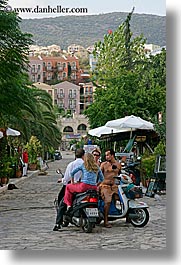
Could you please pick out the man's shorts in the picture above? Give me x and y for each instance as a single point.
(107, 191)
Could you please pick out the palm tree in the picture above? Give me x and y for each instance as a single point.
(22, 106)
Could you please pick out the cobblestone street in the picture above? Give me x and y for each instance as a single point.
(27, 217)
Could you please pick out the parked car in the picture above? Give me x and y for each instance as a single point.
(57, 155)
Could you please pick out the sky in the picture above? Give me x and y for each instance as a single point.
(156, 7)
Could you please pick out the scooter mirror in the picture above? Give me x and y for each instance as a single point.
(59, 171)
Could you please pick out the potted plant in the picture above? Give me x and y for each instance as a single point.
(148, 162)
(34, 148)
(15, 165)
(5, 171)
(147, 169)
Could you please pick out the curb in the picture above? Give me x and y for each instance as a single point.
(17, 180)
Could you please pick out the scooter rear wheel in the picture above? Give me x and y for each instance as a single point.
(87, 228)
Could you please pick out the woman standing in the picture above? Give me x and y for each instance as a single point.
(91, 175)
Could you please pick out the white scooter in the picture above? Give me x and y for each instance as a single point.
(128, 206)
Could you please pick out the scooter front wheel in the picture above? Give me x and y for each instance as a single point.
(138, 217)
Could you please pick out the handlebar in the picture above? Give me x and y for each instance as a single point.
(59, 172)
(131, 165)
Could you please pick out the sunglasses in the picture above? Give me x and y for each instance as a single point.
(96, 155)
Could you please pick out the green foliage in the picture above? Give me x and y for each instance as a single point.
(5, 167)
(160, 149)
(147, 166)
(22, 106)
(148, 161)
(128, 82)
(34, 148)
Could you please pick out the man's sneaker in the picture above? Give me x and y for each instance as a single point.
(56, 227)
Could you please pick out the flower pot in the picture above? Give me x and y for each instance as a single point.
(18, 174)
(4, 180)
(32, 166)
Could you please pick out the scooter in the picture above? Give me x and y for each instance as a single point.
(84, 210)
(128, 207)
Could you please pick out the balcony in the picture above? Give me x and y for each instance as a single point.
(35, 70)
(72, 96)
(73, 68)
(60, 95)
(49, 68)
(72, 107)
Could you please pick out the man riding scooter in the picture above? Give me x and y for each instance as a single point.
(79, 159)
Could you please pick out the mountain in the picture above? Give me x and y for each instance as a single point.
(86, 30)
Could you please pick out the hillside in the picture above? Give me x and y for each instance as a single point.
(86, 30)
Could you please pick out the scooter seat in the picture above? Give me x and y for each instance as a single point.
(92, 192)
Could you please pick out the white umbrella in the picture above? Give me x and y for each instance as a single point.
(1, 134)
(130, 122)
(103, 130)
(10, 132)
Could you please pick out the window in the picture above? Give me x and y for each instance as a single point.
(59, 66)
(49, 66)
(38, 79)
(50, 92)
(61, 105)
(33, 68)
(73, 65)
(61, 93)
(73, 76)
(70, 104)
(74, 104)
(70, 93)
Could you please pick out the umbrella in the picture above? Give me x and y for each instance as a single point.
(9, 132)
(103, 130)
(132, 122)
(12, 132)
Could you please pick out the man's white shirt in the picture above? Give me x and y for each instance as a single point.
(72, 165)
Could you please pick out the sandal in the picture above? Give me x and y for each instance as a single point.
(108, 225)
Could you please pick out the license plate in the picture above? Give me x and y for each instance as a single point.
(92, 212)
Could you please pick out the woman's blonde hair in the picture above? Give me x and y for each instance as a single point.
(90, 163)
